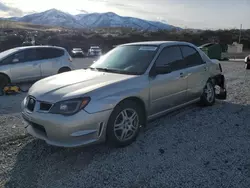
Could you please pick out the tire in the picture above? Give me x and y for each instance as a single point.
(3, 81)
(127, 129)
(208, 95)
(247, 66)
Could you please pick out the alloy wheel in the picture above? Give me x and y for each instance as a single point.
(126, 124)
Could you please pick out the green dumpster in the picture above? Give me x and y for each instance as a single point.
(212, 50)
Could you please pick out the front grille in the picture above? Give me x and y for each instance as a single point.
(45, 106)
(31, 104)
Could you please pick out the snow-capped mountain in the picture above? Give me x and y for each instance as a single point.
(51, 17)
(111, 19)
(93, 20)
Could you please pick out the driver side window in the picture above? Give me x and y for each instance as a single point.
(170, 57)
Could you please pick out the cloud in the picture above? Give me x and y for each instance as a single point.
(8, 11)
(83, 11)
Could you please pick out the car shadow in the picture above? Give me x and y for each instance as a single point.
(36, 160)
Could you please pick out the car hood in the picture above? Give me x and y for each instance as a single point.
(73, 84)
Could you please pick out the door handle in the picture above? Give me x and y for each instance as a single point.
(181, 75)
(205, 68)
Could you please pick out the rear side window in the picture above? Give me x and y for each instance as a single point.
(171, 57)
(191, 56)
(49, 53)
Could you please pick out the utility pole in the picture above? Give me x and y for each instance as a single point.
(240, 33)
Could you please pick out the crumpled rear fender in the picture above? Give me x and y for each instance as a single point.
(219, 80)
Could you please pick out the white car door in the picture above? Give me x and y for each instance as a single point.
(24, 66)
(50, 60)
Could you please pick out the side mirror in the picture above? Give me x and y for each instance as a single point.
(15, 60)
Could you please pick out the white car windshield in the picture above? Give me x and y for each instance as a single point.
(128, 59)
(7, 52)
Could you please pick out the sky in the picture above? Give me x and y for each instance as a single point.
(199, 14)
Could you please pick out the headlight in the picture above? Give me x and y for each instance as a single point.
(70, 107)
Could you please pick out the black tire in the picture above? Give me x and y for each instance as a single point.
(3, 81)
(206, 100)
(64, 69)
(112, 134)
(247, 66)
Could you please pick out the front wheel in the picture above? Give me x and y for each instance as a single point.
(208, 95)
(124, 124)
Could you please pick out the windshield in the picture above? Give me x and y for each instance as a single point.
(131, 59)
(7, 52)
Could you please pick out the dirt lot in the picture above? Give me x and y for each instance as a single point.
(194, 147)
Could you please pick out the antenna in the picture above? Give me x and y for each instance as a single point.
(240, 33)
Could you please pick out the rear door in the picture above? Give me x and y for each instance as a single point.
(24, 66)
(50, 60)
(197, 71)
(170, 89)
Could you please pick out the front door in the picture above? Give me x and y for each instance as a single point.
(24, 66)
(169, 89)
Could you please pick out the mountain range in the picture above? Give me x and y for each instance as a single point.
(54, 17)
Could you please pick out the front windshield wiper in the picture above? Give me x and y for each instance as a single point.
(99, 69)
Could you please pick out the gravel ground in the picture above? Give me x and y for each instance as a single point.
(194, 147)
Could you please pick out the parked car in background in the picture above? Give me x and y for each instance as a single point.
(114, 97)
(95, 51)
(32, 63)
(77, 52)
(247, 62)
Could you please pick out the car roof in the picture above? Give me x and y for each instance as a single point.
(41, 46)
(13, 50)
(158, 43)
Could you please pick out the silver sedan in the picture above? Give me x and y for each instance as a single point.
(119, 93)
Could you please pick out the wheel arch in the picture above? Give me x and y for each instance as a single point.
(64, 67)
(6, 76)
(138, 101)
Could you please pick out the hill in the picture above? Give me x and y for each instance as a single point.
(55, 17)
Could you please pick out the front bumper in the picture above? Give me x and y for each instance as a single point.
(67, 131)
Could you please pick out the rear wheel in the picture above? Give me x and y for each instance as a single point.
(208, 95)
(64, 69)
(3, 81)
(124, 124)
